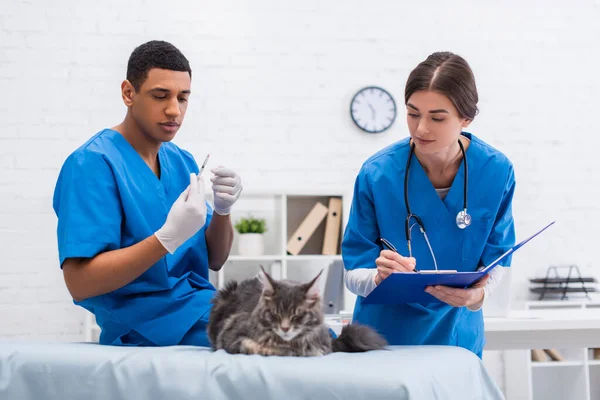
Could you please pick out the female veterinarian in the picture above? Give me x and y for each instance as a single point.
(444, 182)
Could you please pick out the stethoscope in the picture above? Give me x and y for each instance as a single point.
(463, 219)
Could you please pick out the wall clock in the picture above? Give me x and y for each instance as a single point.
(373, 109)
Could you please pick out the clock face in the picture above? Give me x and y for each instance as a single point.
(373, 109)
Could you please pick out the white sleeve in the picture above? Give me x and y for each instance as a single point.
(494, 280)
(361, 281)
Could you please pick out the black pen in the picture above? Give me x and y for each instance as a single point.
(391, 247)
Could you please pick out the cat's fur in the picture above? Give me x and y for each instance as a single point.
(269, 317)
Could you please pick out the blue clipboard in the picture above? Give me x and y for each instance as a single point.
(409, 287)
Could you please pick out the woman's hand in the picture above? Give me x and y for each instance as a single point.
(389, 262)
(459, 297)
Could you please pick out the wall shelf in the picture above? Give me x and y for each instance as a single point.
(557, 364)
(283, 212)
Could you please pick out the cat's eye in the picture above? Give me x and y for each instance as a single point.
(274, 315)
(296, 319)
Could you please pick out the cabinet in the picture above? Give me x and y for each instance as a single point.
(575, 377)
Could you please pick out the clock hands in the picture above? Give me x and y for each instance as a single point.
(372, 110)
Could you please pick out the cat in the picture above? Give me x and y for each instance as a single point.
(272, 317)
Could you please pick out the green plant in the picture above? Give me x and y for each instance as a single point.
(251, 225)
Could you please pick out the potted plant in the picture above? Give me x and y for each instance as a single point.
(251, 241)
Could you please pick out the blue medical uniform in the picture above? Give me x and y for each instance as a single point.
(107, 198)
(378, 210)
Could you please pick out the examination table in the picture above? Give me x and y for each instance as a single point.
(89, 371)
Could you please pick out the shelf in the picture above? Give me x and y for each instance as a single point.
(303, 257)
(558, 290)
(293, 192)
(553, 281)
(315, 257)
(555, 364)
(595, 363)
(255, 258)
(554, 304)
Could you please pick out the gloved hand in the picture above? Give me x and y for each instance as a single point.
(227, 187)
(186, 216)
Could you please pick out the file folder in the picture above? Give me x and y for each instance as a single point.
(306, 229)
(333, 227)
(409, 287)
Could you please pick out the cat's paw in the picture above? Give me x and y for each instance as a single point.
(278, 351)
(249, 346)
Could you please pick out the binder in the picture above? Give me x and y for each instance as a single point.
(409, 287)
(538, 355)
(554, 354)
(332, 227)
(307, 227)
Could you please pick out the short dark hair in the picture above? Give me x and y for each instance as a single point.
(154, 54)
(449, 74)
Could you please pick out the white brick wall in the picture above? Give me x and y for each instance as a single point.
(271, 79)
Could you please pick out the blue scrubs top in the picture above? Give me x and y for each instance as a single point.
(378, 210)
(107, 198)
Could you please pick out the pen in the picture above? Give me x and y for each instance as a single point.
(204, 164)
(391, 247)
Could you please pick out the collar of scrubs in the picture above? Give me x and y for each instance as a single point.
(162, 183)
(424, 198)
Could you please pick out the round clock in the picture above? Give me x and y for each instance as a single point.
(373, 109)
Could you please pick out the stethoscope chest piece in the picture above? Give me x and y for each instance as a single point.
(463, 219)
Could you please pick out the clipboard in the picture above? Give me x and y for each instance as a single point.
(409, 287)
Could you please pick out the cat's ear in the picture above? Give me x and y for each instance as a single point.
(312, 289)
(268, 283)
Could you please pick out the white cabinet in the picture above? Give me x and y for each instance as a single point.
(283, 213)
(575, 377)
(594, 377)
(567, 381)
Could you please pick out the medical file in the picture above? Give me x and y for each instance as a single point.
(409, 287)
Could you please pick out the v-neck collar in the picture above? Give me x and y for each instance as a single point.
(445, 210)
(162, 183)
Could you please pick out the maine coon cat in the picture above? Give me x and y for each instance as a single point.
(280, 317)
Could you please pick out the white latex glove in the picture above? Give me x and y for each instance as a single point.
(227, 187)
(186, 216)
